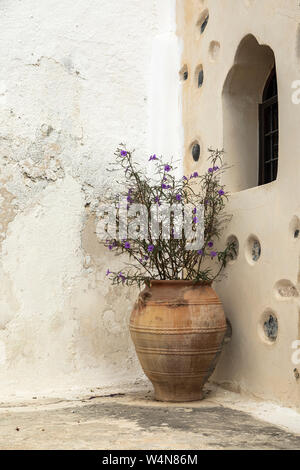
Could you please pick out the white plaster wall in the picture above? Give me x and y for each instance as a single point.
(76, 79)
(165, 123)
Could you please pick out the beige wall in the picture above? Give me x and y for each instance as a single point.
(217, 116)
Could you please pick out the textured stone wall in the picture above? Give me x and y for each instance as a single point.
(76, 80)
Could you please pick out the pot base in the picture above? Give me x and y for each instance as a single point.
(168, 394)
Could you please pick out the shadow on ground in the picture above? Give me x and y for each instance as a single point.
(138, 422)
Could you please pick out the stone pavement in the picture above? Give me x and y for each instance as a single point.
(135, 421)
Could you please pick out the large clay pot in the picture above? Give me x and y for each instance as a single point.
(178, 328)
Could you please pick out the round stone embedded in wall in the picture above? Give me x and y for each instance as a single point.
(268, 327)
(203, 21)
(199, 76)
(204, 24)
(285, 290)
(256, 250)
(233, 241)
(196, 151)
(295, 227)
(184, 73)
(253, 249)
(213, 51)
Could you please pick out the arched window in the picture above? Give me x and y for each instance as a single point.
(250, 142)
(269, 132)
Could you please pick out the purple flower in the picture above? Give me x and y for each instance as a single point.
(156, 199)
(153, 157)
(221, 192)
(215, 168)
(178, 197)
(195, 220)
(151, 248)
(121, 276)
(127, 246)
(195, 175)
(195, 211)
(129, 199)
(213, 254)
(200, 252)
(164, 186)
(110, 247)
(146, 258)
(184, 178)
(210, 244)
(168, 168)
(123, 153)
(108, 272)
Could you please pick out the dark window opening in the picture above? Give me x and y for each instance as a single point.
(269, 131)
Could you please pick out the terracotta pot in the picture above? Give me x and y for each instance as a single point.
(178, 328)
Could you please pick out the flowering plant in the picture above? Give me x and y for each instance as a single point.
(162, 251)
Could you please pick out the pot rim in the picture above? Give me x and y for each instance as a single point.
(180, 281)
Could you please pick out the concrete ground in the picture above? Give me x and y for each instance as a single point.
(133, 420)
